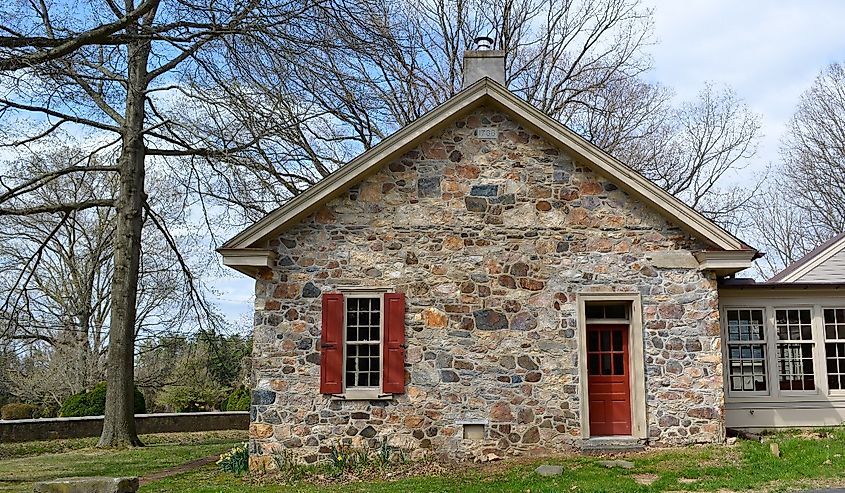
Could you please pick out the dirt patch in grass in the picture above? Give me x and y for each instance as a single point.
(173, 471)
(645, 479)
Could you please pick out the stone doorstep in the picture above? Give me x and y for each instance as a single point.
(610, 445)
(87, 485)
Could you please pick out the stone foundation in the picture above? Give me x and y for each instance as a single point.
(491, 240)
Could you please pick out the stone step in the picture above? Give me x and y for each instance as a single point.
(612, 445)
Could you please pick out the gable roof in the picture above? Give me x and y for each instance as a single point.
(485, 92)
(798, 269)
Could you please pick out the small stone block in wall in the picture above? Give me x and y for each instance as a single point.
(88, 485)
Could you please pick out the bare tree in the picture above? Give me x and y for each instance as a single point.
(687, 149)
(111, 67)
(813, 153)
(779, 229)
(804, 205)
(380, 69)
(60, 321)
(385, 63)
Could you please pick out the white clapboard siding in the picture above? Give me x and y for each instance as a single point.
(831, 270)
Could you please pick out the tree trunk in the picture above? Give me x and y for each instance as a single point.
(119, 424)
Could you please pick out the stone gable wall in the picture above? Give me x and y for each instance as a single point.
(490, 240)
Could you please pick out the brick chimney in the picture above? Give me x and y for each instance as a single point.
(484, 61)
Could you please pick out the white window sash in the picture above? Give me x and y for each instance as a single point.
(364, 390)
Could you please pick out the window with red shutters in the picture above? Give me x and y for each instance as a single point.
(362, 344)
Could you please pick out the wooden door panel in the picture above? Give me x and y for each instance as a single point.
(608, 380)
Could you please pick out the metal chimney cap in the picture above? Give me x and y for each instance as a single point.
(483, 43)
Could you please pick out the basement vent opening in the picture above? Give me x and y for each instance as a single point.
(473, 431)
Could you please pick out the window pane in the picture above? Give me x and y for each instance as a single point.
(745, 325)
(594, 310)
(605, 365)
(363, 337)
(795, 366)
(807, 331)
(747, 367)
(615, 310)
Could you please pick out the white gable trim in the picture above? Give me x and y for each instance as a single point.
(485, 91)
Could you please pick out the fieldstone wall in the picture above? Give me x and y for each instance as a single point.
(490, 240)
(25, 430)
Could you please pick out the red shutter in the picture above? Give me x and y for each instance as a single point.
(394, 343)
(331, 345)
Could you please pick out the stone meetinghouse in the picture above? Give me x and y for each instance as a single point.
(485, 281)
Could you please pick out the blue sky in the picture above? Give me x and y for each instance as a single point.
(768, 51)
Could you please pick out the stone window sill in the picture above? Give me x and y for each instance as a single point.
(362, 395)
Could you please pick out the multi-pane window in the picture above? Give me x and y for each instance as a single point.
(363, 342)
(834, 347)
(794, 329)
(606, 351)
(746, 350)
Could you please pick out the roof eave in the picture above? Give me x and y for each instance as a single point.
(726, 262)
(249, 261)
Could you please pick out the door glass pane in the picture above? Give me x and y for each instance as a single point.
(618, 364)
(592, 341)
(605, 365)
(593, 364)
(605, 340)
(617, 340)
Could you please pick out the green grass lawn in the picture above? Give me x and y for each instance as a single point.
(807, 460)
(22, 464)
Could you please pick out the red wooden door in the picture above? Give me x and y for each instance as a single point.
(608, 380)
